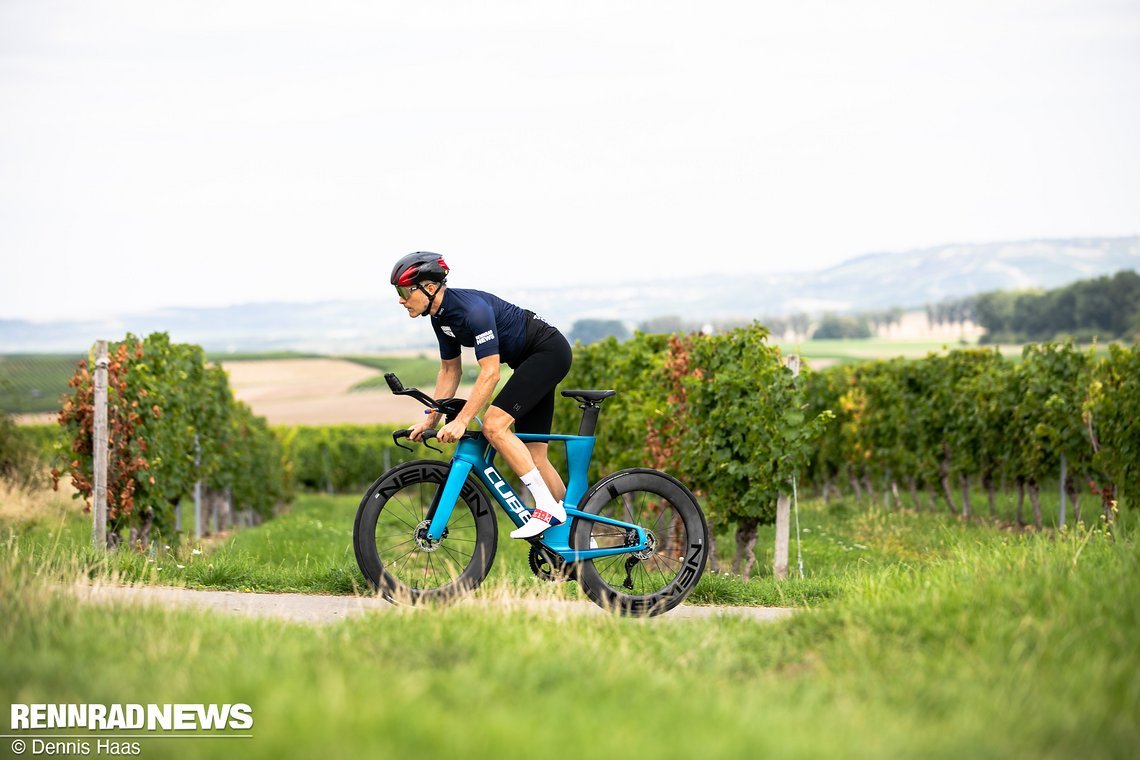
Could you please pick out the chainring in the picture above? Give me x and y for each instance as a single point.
(548, 566)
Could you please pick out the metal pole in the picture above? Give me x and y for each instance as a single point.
(197, 491)
(99, 437)
(783, 528)
(1064, 476)
(783, 506)
(799, 545)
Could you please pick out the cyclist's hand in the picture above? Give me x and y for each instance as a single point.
(452, 431)
(416, 431)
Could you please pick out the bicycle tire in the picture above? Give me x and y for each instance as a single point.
(662, 577)
(391, 548)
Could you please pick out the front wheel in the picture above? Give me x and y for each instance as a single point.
(655, 579)
(390, 536)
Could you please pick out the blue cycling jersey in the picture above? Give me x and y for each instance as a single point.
(480, 320)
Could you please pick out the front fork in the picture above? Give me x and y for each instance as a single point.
(439, 514)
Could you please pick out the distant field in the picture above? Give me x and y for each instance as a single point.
(33, 383)
(219, 357)
(316, 393)
(825, 352)
(414, 371)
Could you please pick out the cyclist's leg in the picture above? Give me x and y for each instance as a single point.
(539, 420)
(548, 510)
(497, 426)
(550, 476)
(527, 401)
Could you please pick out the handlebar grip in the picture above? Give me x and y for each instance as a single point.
(394, 382)
(429, 433)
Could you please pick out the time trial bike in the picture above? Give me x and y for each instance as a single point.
(636, 541)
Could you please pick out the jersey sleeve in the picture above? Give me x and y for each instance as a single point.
(449, 347)
(481, 320)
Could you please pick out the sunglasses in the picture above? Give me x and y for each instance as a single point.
(405, 291)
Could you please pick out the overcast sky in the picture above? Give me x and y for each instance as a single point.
(157, 153)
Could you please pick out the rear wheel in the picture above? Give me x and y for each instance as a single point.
(659, 577)
(390, 536)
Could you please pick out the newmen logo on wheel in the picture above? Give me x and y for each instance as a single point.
(482, 338)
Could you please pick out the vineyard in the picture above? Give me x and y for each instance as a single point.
(912, 631)
(173, 423)
(727, 415)
(958, 431)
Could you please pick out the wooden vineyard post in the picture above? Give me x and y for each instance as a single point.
(783, 533)
(197, 490)
(783, 505)
(100, 446)
(1064, 480)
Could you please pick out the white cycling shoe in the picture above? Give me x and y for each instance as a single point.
(541, 520)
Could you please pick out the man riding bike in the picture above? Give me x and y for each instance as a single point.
(500, 332)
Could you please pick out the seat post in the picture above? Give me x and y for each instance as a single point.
(590, 403)
(589, 422)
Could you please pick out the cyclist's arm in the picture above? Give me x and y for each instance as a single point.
(446, 383)
(484, 387)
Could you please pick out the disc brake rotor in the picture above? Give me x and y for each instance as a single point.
(425, 543)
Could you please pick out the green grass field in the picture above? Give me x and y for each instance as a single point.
(31, 383)
(826, 352)
(918, 635)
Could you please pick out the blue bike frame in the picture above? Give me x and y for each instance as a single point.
(475, 454)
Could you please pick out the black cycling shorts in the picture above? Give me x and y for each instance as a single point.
(529, 394)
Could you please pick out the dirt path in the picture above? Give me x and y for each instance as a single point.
(322, 609)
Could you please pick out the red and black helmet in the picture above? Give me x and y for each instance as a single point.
(421, 266)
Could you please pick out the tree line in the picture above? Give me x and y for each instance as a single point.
(1107, 308)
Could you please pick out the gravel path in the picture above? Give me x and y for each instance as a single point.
(319, 609)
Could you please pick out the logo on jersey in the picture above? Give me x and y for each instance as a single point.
(482, 338)
(447, 331)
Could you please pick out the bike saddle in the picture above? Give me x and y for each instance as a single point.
(589, 397)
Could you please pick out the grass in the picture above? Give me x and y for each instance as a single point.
(308, 549)
(935, 639)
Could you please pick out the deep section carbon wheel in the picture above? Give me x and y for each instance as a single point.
(391, 543)
(655, 579)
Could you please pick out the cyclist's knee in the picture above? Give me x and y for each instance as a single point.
(495, 423)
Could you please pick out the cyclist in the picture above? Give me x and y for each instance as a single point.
(500, 333)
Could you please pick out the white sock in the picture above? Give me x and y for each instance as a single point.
(544, 499)
(547, 511)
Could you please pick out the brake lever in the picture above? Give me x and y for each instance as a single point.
(430, 433)
(396, 436)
